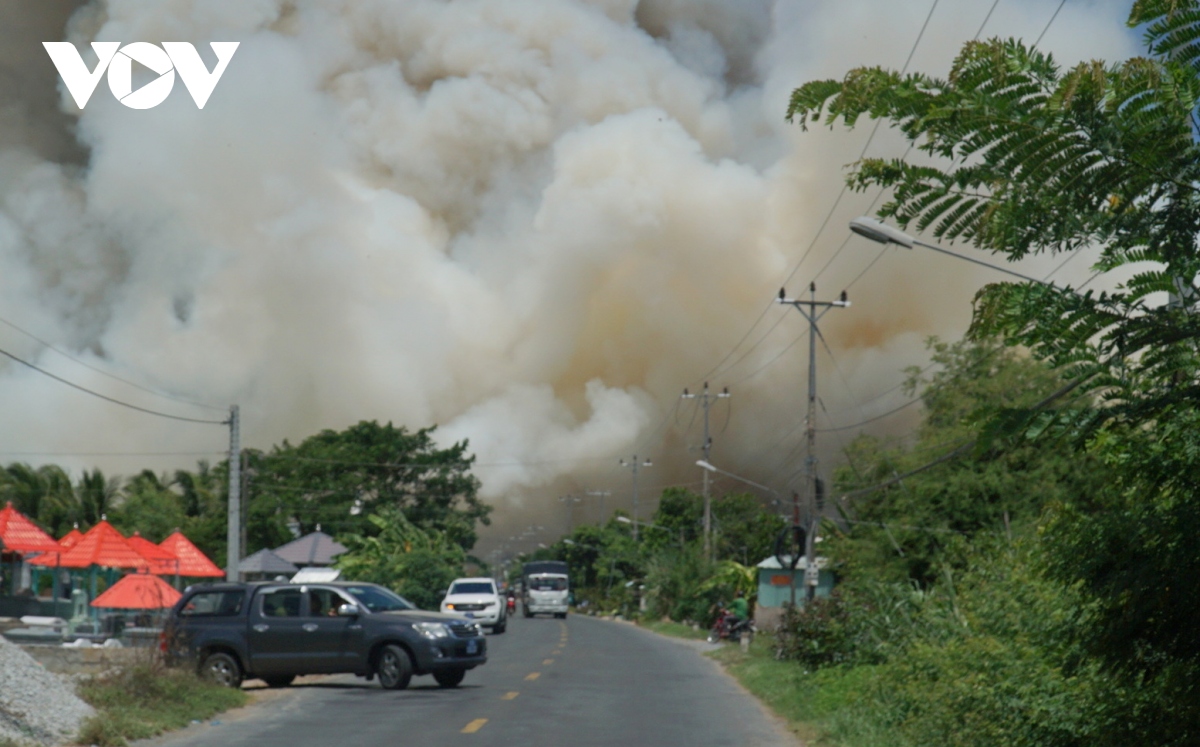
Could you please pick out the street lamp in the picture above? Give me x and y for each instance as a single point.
(636, 523)
(705, 465)
(635, 464)
(885, 234)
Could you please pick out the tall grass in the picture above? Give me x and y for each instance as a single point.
(148, 699)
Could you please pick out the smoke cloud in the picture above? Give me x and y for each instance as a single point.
(530, 222)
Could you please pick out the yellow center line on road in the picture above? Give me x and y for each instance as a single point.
(533, 676)
(548, 661)
(474, 726)
(511, 695)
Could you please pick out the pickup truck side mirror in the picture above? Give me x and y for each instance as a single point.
(347, 610)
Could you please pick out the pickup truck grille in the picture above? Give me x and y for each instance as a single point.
(463, 630)
(469, 607)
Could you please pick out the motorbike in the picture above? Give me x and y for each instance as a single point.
(512, 605)
(729, 627)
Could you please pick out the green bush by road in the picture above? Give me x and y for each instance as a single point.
(147, 700)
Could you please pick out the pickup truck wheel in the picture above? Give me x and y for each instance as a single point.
(395, 668)
(499, 627)
(281, 681)
(222, 669)
(450, 677)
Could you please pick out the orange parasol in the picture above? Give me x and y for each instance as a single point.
(138, 591)
(192, 562)
(19, 534)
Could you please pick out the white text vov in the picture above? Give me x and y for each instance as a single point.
(118, 61)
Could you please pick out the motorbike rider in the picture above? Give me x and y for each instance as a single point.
(739, 608)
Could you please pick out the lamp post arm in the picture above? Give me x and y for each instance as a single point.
(739, 478)
(990, 266)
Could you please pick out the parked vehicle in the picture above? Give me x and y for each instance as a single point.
(477, 599)
(277, 631)
(545, 588)
(729, 627)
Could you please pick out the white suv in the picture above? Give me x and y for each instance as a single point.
(478, 599)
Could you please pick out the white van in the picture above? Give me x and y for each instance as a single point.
(546, 588)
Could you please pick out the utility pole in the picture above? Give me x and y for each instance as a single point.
(570, 500)
(634, 464)
(706, 401)
(244, 501)
(601, 494)
(812, 483)
(233, 533)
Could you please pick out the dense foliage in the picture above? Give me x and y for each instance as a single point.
(1083, 632)
(666, 571)
(341, 481)
(418, 564)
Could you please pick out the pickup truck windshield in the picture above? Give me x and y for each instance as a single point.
(472, 587)
(379, 599)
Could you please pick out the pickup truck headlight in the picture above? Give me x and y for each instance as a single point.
(432, 630)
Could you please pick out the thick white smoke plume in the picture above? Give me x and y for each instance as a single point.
(532, 222)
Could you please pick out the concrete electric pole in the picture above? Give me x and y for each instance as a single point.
(233, 534)
(570, 500)
(601, 494)
(706, 401)
(813, 488)
(634, 464)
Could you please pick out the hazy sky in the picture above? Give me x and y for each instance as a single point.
(531, 222)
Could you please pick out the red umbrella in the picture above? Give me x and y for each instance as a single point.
(19, 534)
(138, 591)
(103, 545)
(162, 562)
(192, 562)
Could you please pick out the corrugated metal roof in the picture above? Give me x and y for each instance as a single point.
(316, 548)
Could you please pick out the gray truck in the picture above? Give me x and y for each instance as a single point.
(277, 631)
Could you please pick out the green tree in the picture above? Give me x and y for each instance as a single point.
(905, 530)
(742, 529)
(416, 563)
(1022, 157)
(44, 494)
(150, 507)
(338, 478)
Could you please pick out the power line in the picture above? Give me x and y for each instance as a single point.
(109, 453)
(861, 423)
(820, 230)
(1050, 22)
(986, 18)
(102, 372)
(109, 399)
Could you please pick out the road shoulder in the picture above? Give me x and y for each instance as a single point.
(797, 733)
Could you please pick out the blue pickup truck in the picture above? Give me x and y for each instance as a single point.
(277, 631)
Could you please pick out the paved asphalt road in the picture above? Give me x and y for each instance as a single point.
(575, 683)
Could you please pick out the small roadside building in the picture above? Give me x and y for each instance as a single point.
(264, 565)
(315, 548)
(776, 582)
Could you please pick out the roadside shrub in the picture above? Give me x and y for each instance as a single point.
(819, 634)
(146, 700)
